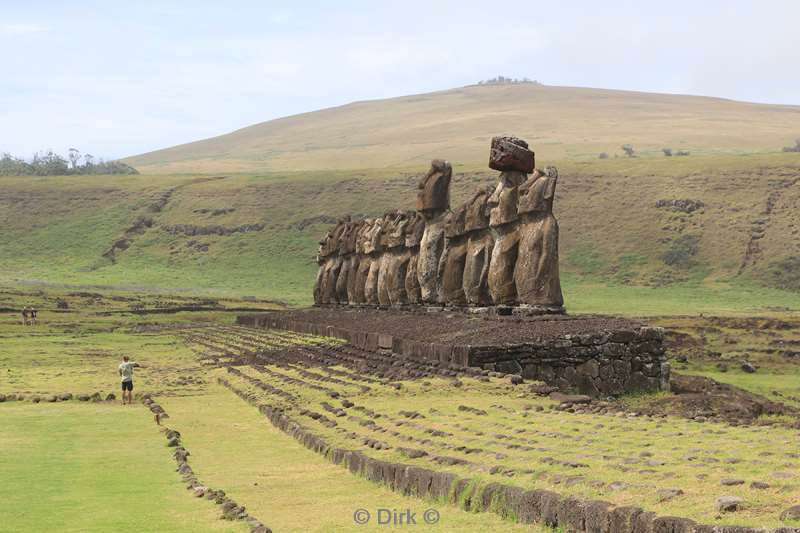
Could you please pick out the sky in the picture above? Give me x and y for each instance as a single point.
(118, 78)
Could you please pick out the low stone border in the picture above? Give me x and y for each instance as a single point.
(62, 397)
(230, 509)
(531, 506)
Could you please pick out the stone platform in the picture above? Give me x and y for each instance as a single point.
(594, 355)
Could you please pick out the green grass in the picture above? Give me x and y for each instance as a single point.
(93, 468)
(613, 239)
(679, 446)
(292, 488)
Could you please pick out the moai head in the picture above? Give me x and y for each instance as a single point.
(363, 235)
(434, 187)
(503, 201)
(511, 154)
(414, 230)
(536, 194)
(352, 236)
(324, 246)
(477, 217)
(454, 223)
(373, 237)
(397, 234)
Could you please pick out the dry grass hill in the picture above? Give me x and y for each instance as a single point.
(560, 122)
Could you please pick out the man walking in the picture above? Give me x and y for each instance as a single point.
(126, 376)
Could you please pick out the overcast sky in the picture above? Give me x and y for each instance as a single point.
(118, 78)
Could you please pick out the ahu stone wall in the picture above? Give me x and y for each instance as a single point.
(606, 363)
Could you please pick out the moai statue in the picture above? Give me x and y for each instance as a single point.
(479, 249)
(355, 262)
(329, 293)
(433, 200)
(398, 262)
(514, 160)
(414, 232)
(374, 248)
(536, 275)
(388, 241)
(346, 246)
(322, 256)
(364, 263)
(454, 256)
(328, 278)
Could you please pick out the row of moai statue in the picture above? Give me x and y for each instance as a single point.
(500, 248)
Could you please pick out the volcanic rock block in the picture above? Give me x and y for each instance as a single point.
(511, 153)
(434, 187)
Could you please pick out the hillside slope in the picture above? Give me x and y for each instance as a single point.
(561, 123)
(635, 233)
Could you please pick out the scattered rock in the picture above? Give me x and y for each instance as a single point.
(732, 482)
(792, 513)
(729, 504)
(664, 495)
(759, 485)
(748, 367)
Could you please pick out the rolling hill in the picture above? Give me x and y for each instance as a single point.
(241, 214)
(560, 122)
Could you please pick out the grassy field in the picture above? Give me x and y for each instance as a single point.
(99, 466)
(91, 467)
(508, 436)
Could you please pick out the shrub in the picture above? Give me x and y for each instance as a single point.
(681, 152)
(628, 149)
(667, 151)
(603, 155)
(795, 148)
(681, 251)
(785, 273)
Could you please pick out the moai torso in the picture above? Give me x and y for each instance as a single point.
(346, 245)
(451, 264)
(375, 250)
(537, 276)
(433, 199)
(502, 220)
(479, 249)
(414, 232)
(398, 263)
(389, 239)
(364, 262)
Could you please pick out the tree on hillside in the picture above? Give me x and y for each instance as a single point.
(795, 148)
(628, 149)
(50, 163)
(74, 156)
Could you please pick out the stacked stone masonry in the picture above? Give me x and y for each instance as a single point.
(606, 363)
